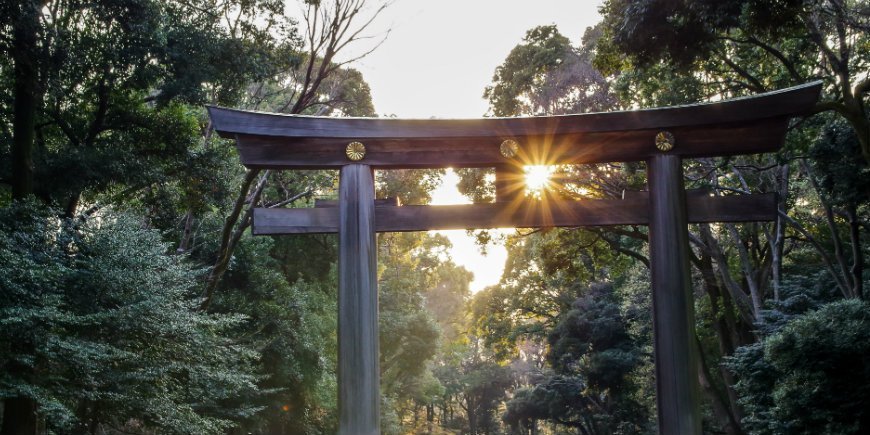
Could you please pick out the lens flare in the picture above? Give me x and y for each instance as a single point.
(538, 179)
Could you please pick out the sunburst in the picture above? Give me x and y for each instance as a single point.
(538, 179)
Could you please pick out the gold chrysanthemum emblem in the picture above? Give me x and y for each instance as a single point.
(665, 141)
(509, 148)
(355, 151)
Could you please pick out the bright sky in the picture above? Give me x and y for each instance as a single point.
(487, 268)
(436, 62)
(441, 54)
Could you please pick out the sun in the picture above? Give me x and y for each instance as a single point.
(538, 179)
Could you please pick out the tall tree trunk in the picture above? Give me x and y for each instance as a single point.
(856, 114)
(723, 326)
(718, 401)
(187, 233)
(857, 268)
(778, 237)
(472, 416)
(25, 31)
(19, 417)
(847, 281)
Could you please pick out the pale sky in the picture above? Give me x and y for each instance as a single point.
(436, 62)
(441, 54)
(487, 268)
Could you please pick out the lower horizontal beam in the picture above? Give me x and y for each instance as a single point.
(633, 210)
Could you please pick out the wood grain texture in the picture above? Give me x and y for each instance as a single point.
(740, 126)
(675, 351)
(525, 214)
(332, 203)
(358, 363)
(510, 183)
(618, 146)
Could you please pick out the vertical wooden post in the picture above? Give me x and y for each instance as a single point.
(676, 359)
(358, 366)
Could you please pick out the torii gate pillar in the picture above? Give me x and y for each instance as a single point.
(676, 358)
(359, 377)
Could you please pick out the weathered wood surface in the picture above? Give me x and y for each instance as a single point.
(332, 203)
(510, 183)
(358, 364)
(740, 126)
(634, 210)
(675, 352)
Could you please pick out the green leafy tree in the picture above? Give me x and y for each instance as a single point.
(409, 265)
(485, 385)
(291, 322)
(316, 83)
(751, 45)
(546, 74)
(592, 356)
(96, 87)
(100, 331)
(809, 376)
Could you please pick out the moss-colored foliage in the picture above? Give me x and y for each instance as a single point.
(546, 74)
(843, 174)
(810, 376)
(111, 80)
(99, 327)
(592, 356)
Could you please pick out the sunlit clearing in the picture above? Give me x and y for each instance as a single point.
(538, 179)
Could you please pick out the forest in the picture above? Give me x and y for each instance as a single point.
(135, 300)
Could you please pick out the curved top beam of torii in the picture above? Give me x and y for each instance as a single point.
(738, 126)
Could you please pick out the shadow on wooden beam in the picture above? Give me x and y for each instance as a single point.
(517, 214)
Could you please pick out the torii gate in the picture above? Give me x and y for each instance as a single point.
(661, 137)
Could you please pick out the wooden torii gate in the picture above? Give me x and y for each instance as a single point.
(661, 137)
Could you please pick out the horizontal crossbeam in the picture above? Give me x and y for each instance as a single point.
(739, 126)
(634, 210)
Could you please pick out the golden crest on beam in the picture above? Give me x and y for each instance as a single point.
(665, 141)
(355, 151)
(509, 148)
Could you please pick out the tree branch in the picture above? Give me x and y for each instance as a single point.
(826, 259)
(224, 251)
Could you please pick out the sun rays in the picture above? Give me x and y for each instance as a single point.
(538, 179)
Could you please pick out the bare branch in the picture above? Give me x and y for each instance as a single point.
(226, 237)
(829, 265)
(616, 246)
(290, 200)
(754, 84)
(744, 304)
(835, 234)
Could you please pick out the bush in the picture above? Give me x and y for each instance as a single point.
(810, 377)
(100, 327)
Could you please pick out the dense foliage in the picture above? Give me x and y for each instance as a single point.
(811, 375)
(591, 355)
(99, 326)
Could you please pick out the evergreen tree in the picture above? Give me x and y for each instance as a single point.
(99, 330)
